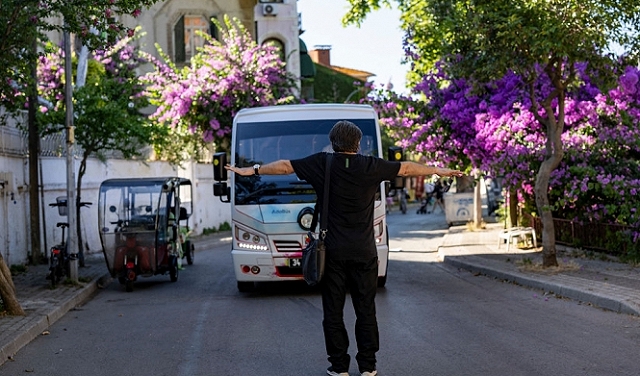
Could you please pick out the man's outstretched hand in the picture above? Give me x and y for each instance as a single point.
(449, 172)
(244, 171)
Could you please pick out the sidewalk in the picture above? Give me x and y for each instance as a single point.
(604, 284)
(43, 306)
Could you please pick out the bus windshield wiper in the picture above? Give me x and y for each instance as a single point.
(271, 191)
(252, 194)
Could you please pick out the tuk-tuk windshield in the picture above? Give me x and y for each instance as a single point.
(131, 207)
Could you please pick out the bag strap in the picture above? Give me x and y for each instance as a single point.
(325, 201)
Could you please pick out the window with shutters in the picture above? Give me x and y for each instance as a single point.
(279, 45)
(186, 38)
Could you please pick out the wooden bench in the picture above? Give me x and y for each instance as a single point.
(517, 233)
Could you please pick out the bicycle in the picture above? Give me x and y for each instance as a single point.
(59, 260)
(59, 256)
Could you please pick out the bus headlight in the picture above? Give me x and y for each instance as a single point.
(251, 240)
(305, 217)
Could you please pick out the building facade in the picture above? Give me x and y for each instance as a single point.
(174, 25)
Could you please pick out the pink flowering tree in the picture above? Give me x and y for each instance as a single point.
(599, 176)
(198, 102)
(484, 41)
(108, 108)
(24, 22)
(492, 129)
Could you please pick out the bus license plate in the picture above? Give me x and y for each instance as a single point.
(295, 263)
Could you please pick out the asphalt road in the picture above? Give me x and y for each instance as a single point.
(434, 320)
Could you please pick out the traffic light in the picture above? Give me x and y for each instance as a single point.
(219, 161)
(396, 154)
(220, 188)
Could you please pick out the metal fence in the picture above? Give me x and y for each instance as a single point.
(14, 142)
(590, 235)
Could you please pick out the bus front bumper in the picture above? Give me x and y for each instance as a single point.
(251, 266)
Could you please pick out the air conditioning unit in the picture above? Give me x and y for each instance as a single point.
(269, 9)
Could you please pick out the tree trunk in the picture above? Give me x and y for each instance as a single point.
(553, 156)
(542, 204)
(561, 75)
(464, 184)
(513, 207)
(8, 291)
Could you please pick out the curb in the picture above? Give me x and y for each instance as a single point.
(600, 300)
(36, 327)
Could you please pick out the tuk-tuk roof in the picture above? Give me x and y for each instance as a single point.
(143, 181)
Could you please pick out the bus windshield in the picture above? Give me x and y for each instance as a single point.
(264, 142)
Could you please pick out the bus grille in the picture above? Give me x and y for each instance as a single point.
(287, 246)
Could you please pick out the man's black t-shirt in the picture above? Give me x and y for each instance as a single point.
(355, 178)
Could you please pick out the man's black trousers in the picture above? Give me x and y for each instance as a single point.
(360, 279)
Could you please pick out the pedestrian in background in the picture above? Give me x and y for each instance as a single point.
(351, 259)
(438, 194)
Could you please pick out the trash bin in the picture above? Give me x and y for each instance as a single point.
(458, 207)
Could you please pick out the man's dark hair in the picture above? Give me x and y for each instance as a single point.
(345, 137)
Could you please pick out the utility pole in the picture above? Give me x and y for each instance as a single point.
(72, 247)
(34, 142)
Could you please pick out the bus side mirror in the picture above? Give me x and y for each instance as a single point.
(219, 161)
(222, 190)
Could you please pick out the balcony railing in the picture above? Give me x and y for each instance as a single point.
(11, 141)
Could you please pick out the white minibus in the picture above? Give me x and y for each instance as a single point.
(271, 213)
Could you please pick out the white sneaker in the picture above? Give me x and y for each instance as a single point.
(372, 373)
(331, 372)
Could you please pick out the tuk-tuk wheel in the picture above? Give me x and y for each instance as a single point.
(190, 251)
(173, 269)
(129, 285)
